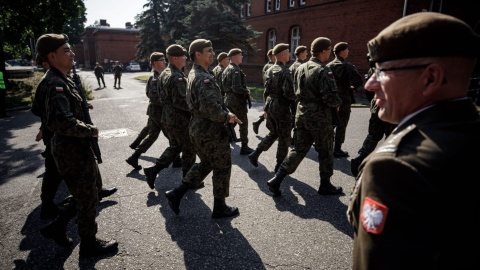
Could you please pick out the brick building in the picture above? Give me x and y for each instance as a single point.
(299, 22)
(106, 45)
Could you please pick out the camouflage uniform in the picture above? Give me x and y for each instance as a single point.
(236, 95)
(217, 73)
(175, 118)
(345, 76)
(208, 132)
(279, 94)
(71, 147)
(117, 71)
(154, 112)
(316, 93)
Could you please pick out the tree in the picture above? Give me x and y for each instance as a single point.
(21, 23)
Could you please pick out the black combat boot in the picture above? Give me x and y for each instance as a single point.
(57, 229)
(274, 183)
(93, 246)
(277, 166)
(253, 157)
(175, 196)
(245, 150)
(338, 152)
(106, 192)
(177, 162)
(135, 143)
(326, 188)
(222, 210)
(256, 124)
(355, 163)
(151, 174)
(133, 160)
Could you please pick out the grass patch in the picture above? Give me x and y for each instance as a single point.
(256, 92)
(21, 91)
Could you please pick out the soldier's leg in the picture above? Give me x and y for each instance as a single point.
(50, 183)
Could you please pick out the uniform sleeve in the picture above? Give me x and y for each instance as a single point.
(178, 86)
(210, 101)
(329, 91)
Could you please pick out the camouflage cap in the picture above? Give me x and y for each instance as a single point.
(424, 34)
(280, 48)
(156, 56)
(198, 45)
(234, 52)
(319, 44)
(49, 43)
(300, 49)
(222, 56)
(340, 46)
(176, 50)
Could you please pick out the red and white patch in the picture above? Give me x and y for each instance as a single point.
(206, 81)
(59, 89)
(373, 216)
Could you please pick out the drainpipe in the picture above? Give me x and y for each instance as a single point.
(405, 4)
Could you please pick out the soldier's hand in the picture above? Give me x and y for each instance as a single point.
(39, 136)
(89, 105)
(233, 119)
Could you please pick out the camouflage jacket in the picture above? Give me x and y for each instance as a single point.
(217, 73)
(64, 115)
(316, 92)
(345, 76)
(233, 81)
(38, 109)
(172, 87)
(278, 85)
(153, 93)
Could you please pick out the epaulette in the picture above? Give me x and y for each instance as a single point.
(391, 143)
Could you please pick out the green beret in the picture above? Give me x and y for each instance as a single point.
(340, 46)
(300, 49)
(319, 44)
(222, 56)
(234, 51)
(424, 34)
(280, 48)
(198, 45)
(49, 43)
(156, 56)
(270, 52)
(176, 50)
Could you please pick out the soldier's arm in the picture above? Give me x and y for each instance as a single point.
(210, 101)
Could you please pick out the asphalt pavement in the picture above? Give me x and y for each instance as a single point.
(299, 230)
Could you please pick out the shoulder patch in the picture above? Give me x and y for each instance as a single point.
(206, 81)
(180, 79)
(373, 216)
(59, 89)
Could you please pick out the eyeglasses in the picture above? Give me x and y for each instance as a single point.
(380, 72)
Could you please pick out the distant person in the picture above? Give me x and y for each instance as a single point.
(99, 73)
(415, 201)
(237, 94)
(348, 80)
(271, 62)
(71, 147)
(223, 62)
(208, 134)
(117, 74)
(317, 95)
(301, 54)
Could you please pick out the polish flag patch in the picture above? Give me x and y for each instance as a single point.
(373, 216)
(59, 89)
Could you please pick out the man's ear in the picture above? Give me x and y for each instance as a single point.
(434, 78)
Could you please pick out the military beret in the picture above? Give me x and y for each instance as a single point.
(319, 44)
(176, 50)
(300, 49)
(198, 45)
(222, 56)
(340, 46)
(280, 48)
(49, 43)
(270, 52)
(156, 56)
(424, 34)
(234, 51)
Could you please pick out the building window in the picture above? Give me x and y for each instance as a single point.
(295, 40)
(292, 3)
(268, 7)
(277, 4)
(241, 11)
(272, 39)
(249, 9)
(301, 2)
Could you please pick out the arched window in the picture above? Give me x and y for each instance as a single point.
(277, 5)
(272, 39)
(295, 40)
(268, 6)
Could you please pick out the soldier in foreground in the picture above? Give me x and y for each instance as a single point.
(208, 134)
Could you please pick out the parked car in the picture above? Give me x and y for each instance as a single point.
(133, 66)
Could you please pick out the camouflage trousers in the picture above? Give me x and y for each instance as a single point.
(323, 140)
(376, 130)
(241, 111)
(280, 127)
(51, 179)
(79, 169)
(343, 117)
(210, 141)
(154, 128)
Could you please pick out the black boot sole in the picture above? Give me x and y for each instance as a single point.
(135, 166)
(226, 214)
(173, 202)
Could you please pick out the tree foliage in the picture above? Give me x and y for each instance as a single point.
(180, 22)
